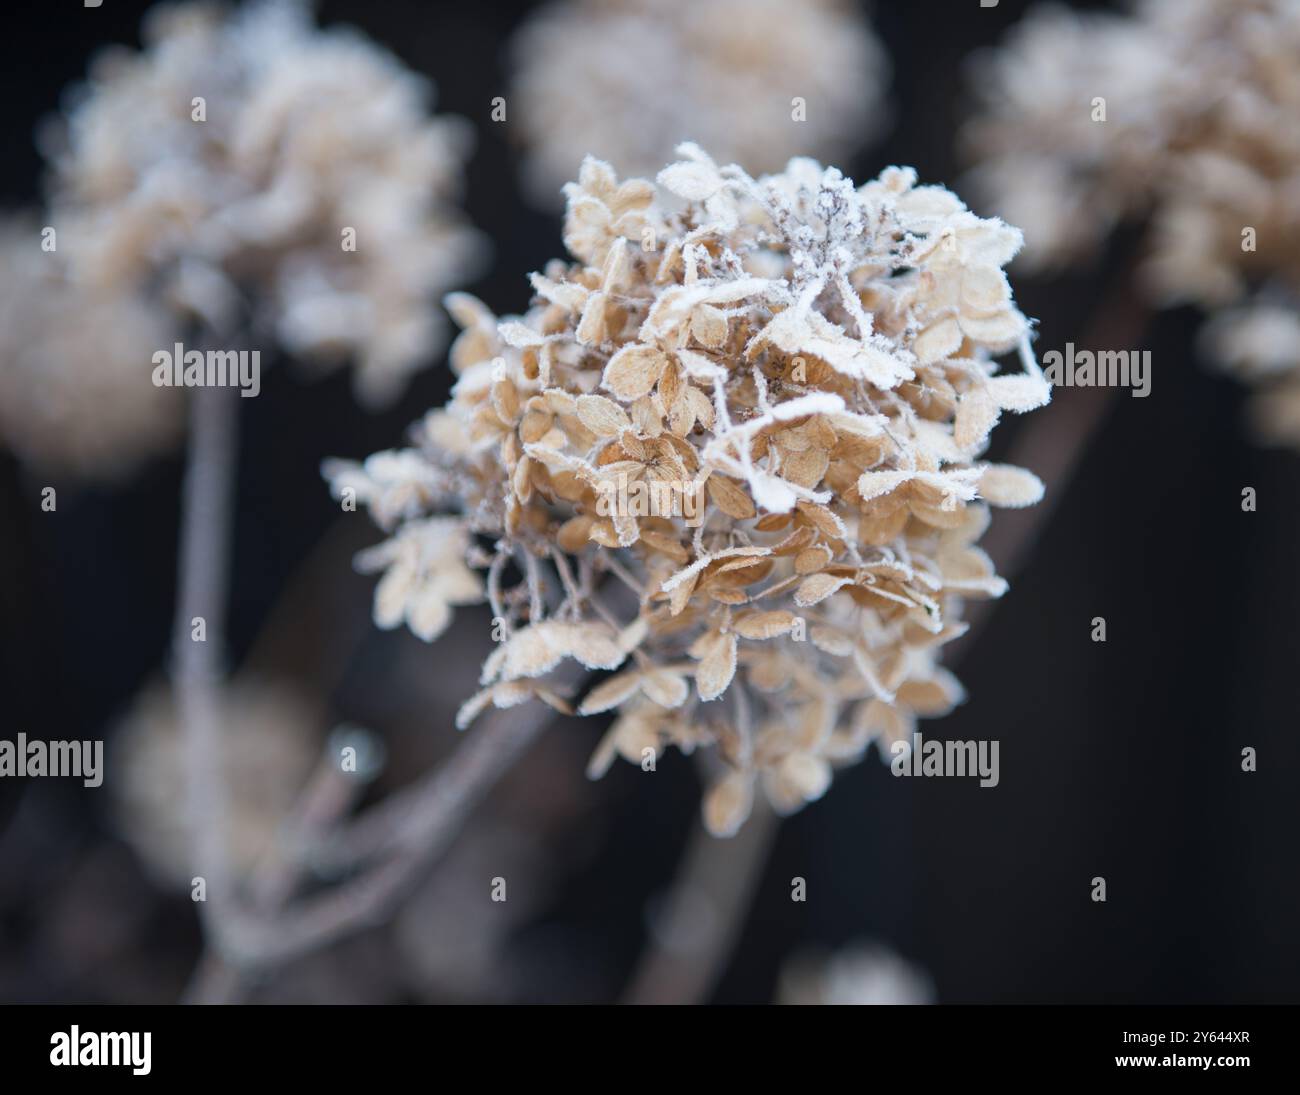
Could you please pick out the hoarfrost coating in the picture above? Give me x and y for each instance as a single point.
(821, 358)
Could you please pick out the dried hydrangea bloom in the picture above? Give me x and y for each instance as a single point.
(75, 396)
(635, 77)
(857, 975)
(1042, 159)
(304, 144)
(1204, 89)
(1260, 342)
(810, 361)
(269, 749)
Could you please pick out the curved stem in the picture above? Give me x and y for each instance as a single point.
(426, 815)
(399, 839)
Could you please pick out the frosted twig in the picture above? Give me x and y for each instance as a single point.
(399, 838)
(431, 808)
(571, 591)
(616, 568)
(497, 565)
(330, 794)
(536, 605)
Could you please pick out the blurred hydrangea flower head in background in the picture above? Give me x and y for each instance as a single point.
(271, 748)
(246, 168)
(635, 77)
(1199, 139)
(860, 974)
(818, 361)
(75, 395)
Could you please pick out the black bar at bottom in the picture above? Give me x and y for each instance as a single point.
(339, 1044)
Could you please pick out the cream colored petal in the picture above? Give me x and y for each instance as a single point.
(938, 341)
(532, 651)
(728, 804)
(977, 413)
(730, 497)
(602, 416)
(717, 668)
(591, 644)
(666, 689)
(815, 589)
(765, 625)
(633, 371)
(809, 775)
(609, 694)
(591, 328)
(392, 594)
(999, 332)
(709, 326)
(429, 614)
(1010, 487)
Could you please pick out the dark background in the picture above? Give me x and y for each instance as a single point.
(1119, 759)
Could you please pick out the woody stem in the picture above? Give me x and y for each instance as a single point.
(198, 637)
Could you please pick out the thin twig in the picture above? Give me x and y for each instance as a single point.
(399, 839)
(330, 794)
(536, 602)
(416, 835)
(572, 594)
(610, 563)
(431, 810)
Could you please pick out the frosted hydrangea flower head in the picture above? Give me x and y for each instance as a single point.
(800, 374)
(229, 162)
(635, 77)
(1199, 144)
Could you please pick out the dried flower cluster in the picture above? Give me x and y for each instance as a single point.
(819, 359)
(635, 77)
(304, 133)
(268, 750)
(245, 171)
(1208, 91)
